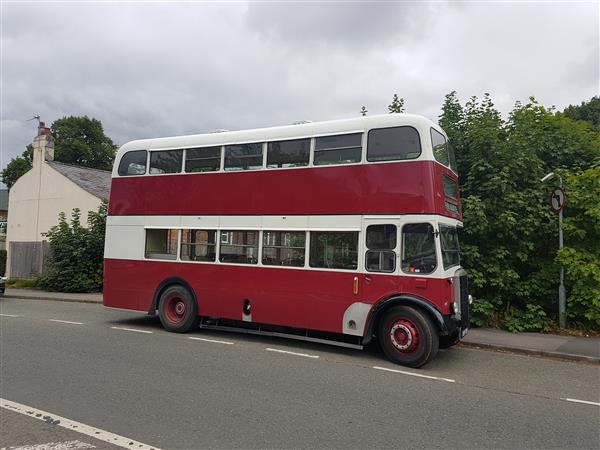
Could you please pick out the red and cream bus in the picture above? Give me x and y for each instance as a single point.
(336, 231)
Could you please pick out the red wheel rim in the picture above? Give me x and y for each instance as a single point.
(404, 336)
(175, 309)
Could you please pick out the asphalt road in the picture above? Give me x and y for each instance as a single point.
(120, 372)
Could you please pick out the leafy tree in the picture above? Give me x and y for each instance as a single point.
(508, 243)
(17, 167)
(77, 253)
(77, 140)
(397, 105)
(81, 141)
(588, 111)
(581, 254)
(363, 111)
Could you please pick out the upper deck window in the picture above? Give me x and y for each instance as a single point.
(166, 161)
(243, 156)
(450, 187)
(442, 150)
(133, 163)
(393, 144)
(342, 149)
(207, 159)
(288, 153)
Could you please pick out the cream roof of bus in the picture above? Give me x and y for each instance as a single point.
(311, 129)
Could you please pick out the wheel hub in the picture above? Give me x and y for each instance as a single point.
(179, 308)
(404, 335)
(175, 309)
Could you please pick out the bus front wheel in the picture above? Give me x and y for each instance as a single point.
(407, 336)
(177, 310)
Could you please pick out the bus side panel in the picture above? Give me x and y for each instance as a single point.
(311, 299)
(386, 188)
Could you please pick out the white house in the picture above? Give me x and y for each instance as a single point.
(37, 198)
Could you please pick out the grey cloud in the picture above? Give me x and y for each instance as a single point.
(338, 24)
(149, 70)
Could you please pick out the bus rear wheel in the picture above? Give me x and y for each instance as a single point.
(177, 310)
(407, 336)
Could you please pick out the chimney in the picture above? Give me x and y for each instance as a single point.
(43, 145)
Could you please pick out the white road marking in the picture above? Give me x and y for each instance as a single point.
(65, 445)
(69, 424)
(10, 315)
(132, 329)
(66, 321)
(574, 400)
(210, 340)
(291, 353)
(449, 380)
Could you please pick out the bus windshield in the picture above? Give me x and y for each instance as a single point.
(450, 248)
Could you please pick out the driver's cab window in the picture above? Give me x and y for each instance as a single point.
(418, 248)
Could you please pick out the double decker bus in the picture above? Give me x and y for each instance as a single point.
(339, 231)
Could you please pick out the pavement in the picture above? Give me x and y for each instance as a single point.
(120, 372)
(534, 344)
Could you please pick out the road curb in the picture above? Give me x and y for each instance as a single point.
(53, 299)
(532, 352)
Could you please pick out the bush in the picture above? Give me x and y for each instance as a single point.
(18, 283)
(77, 253)
(2, 262)
(533, 319)
(483, 313)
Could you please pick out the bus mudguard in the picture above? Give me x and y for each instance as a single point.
(161, 287)
(403, 299)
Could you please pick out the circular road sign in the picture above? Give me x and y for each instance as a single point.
(557, 200)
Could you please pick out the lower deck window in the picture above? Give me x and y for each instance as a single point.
(381, 242)
(283, 248)
(239, 247)
(198, 245)
(161, 244)
(334, 249)
(418, 249)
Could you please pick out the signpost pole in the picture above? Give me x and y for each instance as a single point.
(561, 287)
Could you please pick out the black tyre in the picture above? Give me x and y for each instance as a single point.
(177, 310)
(407, 336)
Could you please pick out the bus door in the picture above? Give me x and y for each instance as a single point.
(381, 251)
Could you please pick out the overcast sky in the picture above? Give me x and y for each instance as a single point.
(161, 69)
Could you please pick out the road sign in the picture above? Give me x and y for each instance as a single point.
(557, 200)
